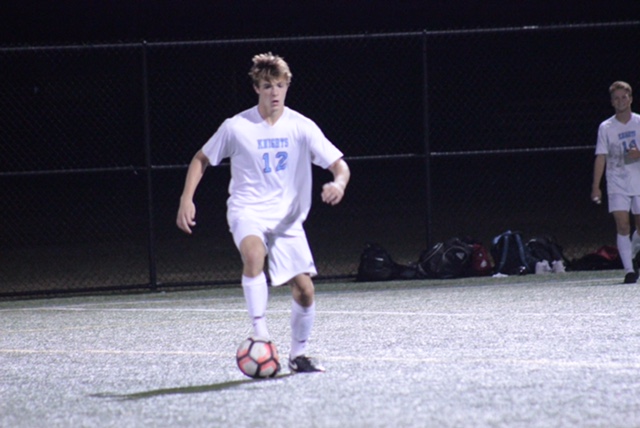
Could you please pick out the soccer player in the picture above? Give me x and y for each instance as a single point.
(617, 152)
(271, 149)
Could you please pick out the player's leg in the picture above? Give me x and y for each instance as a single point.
(290, 260)
(623, 241)
(619, 207)
(635, 237)
(248, 237)
(253, 253)
(303, 314)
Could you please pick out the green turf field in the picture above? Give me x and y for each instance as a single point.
(558, 350)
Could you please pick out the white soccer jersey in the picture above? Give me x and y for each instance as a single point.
(614, 140)
(270, 165)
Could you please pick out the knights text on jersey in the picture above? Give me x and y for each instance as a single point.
(271, 165)
(615, 139)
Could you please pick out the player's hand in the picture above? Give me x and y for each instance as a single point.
(633, 153)
(332, 193)
(596, 196)
(186, 216)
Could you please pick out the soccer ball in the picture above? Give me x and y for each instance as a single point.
(258, 358)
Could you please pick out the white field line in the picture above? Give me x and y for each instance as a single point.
(318, 311)
(140, 309)
(368, 359)
(496, 361)
(284, 313)
(111, 352)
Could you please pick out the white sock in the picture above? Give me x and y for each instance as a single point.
(624, 248)
(301, 322)
(256, 294)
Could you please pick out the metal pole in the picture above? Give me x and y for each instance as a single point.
(153, 281)
(427, 148)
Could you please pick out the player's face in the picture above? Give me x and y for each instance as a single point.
(271, 95)
(621, 100)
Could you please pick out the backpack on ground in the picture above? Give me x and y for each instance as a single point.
(546, 248)
(445, 260)
(481, 263)
(376, 264)
(549, 254)
(511, 255)
(604, 258)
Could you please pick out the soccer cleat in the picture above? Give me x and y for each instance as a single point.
(304, 364)
(630, 278)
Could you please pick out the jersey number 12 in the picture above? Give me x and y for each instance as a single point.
(281, 162)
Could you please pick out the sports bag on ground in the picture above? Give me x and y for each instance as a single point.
(511, 255)
(445, 260)
(604, 258)
(481, 263)
(376, 264)
(546, 248)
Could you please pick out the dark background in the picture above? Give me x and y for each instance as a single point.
(91, 21)
(98, 128)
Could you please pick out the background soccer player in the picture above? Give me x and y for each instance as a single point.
(617, 150)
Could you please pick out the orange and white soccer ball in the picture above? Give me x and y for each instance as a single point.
(258, 358)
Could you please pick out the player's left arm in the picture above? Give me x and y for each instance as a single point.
(333, 192)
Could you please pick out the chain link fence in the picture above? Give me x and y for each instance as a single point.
(451, 133)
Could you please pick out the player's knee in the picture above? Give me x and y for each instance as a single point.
(252, 267)
(305, 300)
(253, 254)
(623, 229)
(303, 290)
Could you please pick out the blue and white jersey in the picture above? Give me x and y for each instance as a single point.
(615, 139)
(271, 172)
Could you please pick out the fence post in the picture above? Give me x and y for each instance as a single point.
(427, 149)
(153, 281)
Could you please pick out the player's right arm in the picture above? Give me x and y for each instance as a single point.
(598, 171)
(186, 218)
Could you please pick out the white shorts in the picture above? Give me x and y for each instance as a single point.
(619, 202)
(287, 250)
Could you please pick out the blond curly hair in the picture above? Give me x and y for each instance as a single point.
(267, 66)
